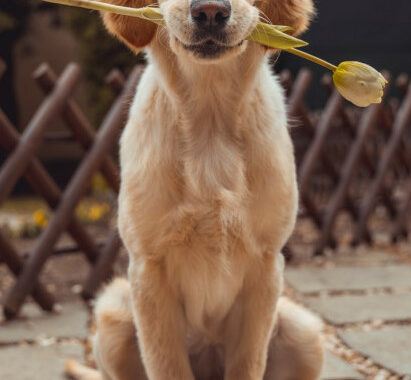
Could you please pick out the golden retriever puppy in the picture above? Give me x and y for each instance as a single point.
(208, 199)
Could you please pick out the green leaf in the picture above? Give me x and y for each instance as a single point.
(274, 37)
(6, 22)
(283, 28)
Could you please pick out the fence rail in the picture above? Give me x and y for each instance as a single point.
(350, 161)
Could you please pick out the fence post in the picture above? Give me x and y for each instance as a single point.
(16, 264)
(313, 154)
(402, 121)
(370, 200)
(32, 137)
(77, 122)
(3, 67)
(349, 169)
(38, 178)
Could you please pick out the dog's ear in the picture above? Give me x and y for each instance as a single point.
(134, 32)
(294, 13)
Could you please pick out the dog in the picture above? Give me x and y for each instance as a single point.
(208, 199)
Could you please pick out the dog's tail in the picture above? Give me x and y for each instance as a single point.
(112, 312)
(114, 345)
(297, 349)
(296, 324)
(77, 371)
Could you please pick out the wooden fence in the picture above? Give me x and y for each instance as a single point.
(22, 161)
(352, 160)
(349, 160)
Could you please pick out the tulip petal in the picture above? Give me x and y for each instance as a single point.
(273, 37)
(359, 83)
(283, 28)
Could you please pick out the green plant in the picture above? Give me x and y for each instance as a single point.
(14, 15)
(100, 53)
(7, 22)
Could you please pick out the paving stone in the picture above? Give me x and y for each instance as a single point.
(34, 324)
(390, 346)
(368, 258)
(37, 363)
(314, 279)
(352, 309)
(337, 369)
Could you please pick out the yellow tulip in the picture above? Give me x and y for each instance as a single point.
(361, 84)
(357, 82)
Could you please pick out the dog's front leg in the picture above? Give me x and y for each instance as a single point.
(160, 324)
(249, 336)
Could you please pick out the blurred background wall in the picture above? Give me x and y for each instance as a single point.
(377, 32)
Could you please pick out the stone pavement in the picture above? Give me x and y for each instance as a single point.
(365, 301)
(30, 362)
(36, 346)
(70, 322)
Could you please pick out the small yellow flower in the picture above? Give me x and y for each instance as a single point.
(99, 184)
(40, 219)
(95, 213)
(359, 83)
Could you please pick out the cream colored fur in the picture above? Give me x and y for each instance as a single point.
(208, 199)
(295, 351)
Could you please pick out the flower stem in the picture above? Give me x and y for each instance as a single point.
(147, 13)
(95, 5)
(312, 58)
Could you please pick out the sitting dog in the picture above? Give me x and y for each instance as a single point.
(208, 199)
(294, 351)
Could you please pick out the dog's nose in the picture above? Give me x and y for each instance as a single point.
(210, 14)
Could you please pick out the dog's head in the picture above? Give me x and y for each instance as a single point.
(208, 30)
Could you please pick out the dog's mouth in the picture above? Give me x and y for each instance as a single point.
(210, 49)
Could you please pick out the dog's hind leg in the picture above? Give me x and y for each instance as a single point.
(115, 344)
(296, 349)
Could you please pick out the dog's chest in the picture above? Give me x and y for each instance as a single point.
(209, 273)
